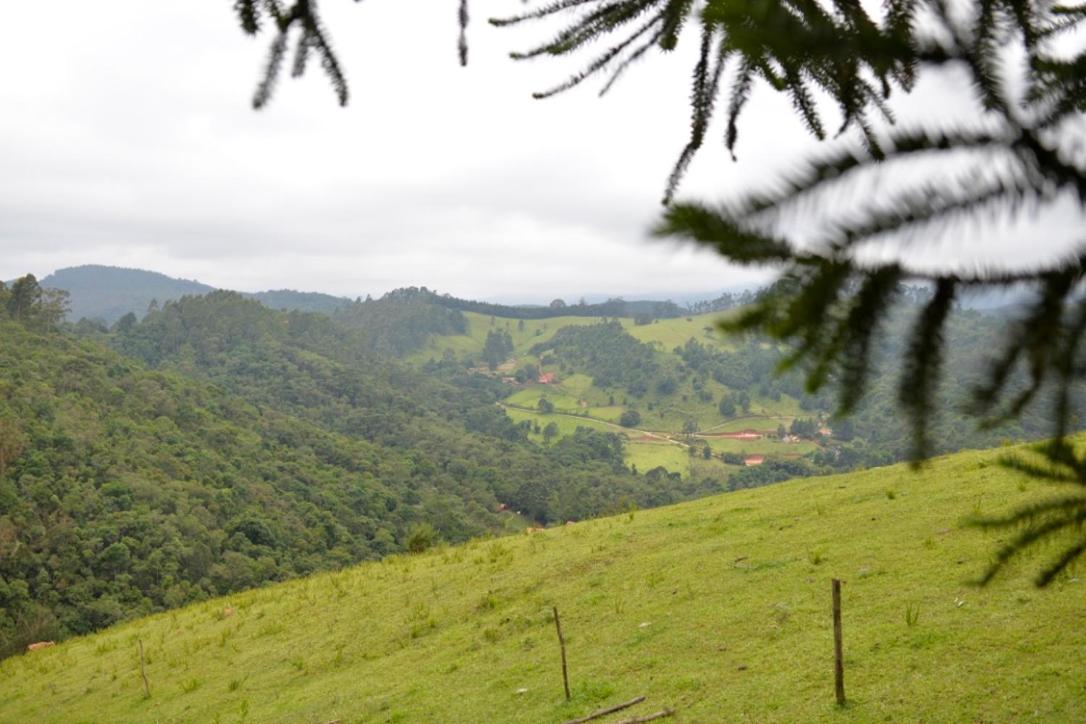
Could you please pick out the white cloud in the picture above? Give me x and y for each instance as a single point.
(127, 138)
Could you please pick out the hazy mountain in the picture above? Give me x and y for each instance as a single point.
(108, 293)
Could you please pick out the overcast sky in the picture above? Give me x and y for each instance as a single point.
(127, 138)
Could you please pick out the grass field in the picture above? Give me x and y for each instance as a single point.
(673, 458)
(650, 454)
(769, 447)
(567, 424)
(759, 423)
(717, 608)
(645, 456)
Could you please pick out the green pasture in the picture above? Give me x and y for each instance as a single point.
(667, 334)
(567, 424)
(717, 608)
(766, 446)
(648, 455)
(758, 423)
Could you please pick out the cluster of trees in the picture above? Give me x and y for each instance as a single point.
(607, 352)
(29, 303)
(769, 472)
(559, 308)
(401, 321)
(497, 348)
(727, 300)
(804, 427)
(751, 367)
(731, 403)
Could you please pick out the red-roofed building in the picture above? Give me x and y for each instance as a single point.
(547, 378)
(751, 460)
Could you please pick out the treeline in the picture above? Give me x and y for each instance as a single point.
(401, 321)
(727, 300)
(614, 307)
(751, 369)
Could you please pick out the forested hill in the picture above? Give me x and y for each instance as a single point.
(231, 445)
(289, 299)
(107, 293)
(614, 307)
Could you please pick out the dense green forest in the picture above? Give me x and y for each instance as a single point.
(222, 445)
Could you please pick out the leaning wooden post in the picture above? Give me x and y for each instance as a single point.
(838, 655)
(562, 645)
(143, 673)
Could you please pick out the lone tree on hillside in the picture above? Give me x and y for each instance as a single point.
(1023, 67)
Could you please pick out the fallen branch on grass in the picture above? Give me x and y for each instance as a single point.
(662, 714)
(609, 710)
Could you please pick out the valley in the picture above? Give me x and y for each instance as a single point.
(212, 444)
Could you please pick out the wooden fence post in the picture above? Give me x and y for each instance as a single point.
(143, 673)
(562, 645)
(838, 654)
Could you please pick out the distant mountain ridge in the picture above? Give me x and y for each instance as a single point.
(108, 293)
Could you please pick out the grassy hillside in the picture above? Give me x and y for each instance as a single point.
(717, 608)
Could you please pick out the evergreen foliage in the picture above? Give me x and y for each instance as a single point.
(400, 321)
(497, 348)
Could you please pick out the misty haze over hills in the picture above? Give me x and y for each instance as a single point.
(107, 293)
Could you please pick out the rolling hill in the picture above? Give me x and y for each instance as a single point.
(696, 388)
(107, 293)
(718, 609)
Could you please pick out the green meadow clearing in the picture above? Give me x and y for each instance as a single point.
(718, 609)
(671, 456)
(770, 447)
